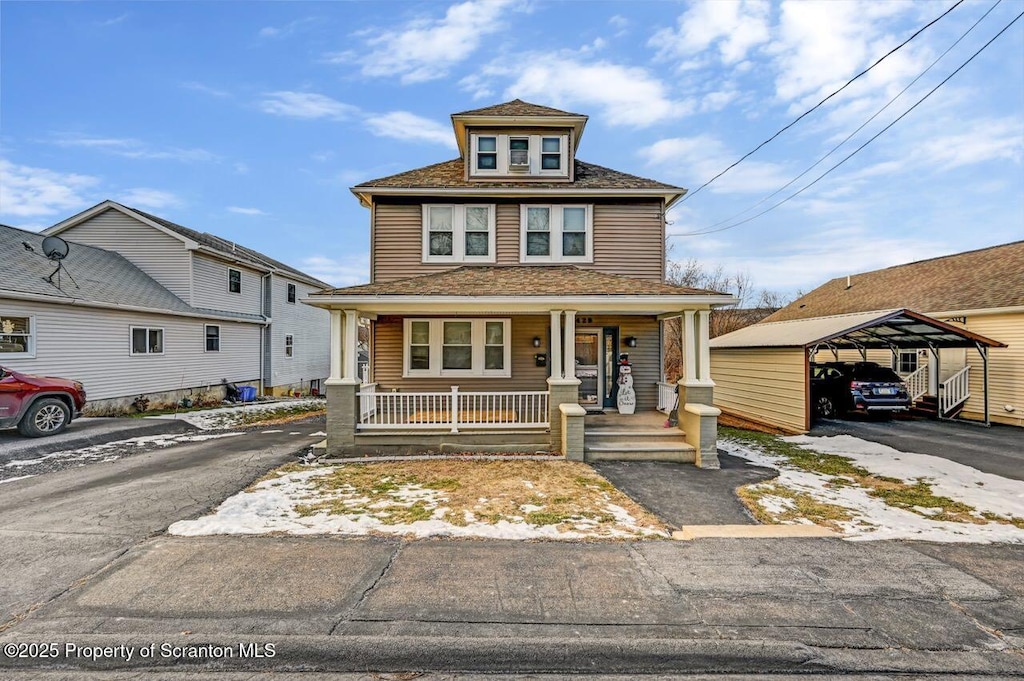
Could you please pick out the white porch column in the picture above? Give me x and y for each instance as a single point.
(689, 359)
(351, 367)
(336, 341)
(556, 344)
(570, 344)
(704, 348)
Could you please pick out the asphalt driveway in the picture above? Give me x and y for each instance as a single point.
(998, 450)
(84, 432)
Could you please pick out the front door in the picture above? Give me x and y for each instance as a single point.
(596, 366)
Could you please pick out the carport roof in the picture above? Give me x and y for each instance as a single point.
(885, 329)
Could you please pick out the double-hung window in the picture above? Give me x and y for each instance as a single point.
(557, 234)
(551, 153)
(457, 347)
(212, 338)
(234, 281)
(907, 362)
(486, 153)
(291, 293)
(458, 233)
(147, 340)
(17, 337)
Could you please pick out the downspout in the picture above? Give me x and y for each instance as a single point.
(265, 328)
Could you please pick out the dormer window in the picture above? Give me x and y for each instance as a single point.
(551, 153)
(487, 153)
(519, 153)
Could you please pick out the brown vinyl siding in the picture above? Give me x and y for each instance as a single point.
(387, 352)
(628, 238)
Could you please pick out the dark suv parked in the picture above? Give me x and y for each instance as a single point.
(38, 405)
(840, 387)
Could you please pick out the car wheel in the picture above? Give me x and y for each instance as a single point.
(47, 416)
(824, 407)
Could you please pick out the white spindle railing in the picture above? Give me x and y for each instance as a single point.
(666, 396)
(367, 403)
(452, 410)
(955, 390)
(917, 383)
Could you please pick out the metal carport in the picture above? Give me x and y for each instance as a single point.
(762, 372)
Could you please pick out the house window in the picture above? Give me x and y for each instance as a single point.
(457, 347)
(519, 153)
(289, 346)
(458, 233)
(147, 340)
(556, 234)
(487, 153)
(551, 153)
(907, 362)
(16, 337)
(234, 281)
(212, 338)
(291, 293)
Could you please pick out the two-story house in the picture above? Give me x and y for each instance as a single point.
(149, 307)
(505, 286)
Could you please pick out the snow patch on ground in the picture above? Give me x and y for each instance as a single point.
(270, 507)
(230, 417)
(873, 519)
(112, 451)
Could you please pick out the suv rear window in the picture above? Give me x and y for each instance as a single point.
(874, 373)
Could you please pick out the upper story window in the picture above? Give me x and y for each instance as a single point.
(17, 337)
(234, 281)
(556, 234)
(458, 233)
(487, 153)
(291, 293)
(517, 155)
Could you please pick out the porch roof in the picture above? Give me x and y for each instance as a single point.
(529, 287)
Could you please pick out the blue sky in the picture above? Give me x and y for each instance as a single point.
(250, 120)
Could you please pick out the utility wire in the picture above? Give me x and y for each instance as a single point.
(869, 141)
(819, 104)
(851, 135)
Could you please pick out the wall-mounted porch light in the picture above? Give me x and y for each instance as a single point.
(630, 341)
(536, 341)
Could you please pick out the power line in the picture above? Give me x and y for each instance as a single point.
(852, 134)
(869, 141)
(816, 106)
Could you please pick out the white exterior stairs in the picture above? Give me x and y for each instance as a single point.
(636, 437)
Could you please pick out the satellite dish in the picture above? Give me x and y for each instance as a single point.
(55, 248)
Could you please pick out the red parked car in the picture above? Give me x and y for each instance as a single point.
(38, 405)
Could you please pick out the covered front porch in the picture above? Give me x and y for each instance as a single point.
(521, 373)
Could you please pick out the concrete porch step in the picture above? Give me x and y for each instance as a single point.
(679, 453)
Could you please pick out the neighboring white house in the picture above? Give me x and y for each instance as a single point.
(155, 308)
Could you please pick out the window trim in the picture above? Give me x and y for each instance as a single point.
(30, 350)
(289, 346)
(206, 337)
(291, 294)
(478, 344)
(459, 233)
(556, 213)
(148, 329)
(239, 273)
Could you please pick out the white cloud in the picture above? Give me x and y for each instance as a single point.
(114, 21)
(308, 105)
(242, 168)
(205, 89)
(626, 95)
(734, 26)
(618, 21)
(288, 29)
(704, 156)
(984, 140)
(347, 271)
(137, 149)
(425, 49)
(143, 197)
(26, 191)
(403, 125)
(245, 211)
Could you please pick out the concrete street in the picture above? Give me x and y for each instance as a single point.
(85, 564)
(83, 432)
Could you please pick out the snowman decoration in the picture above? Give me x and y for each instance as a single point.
(627, 396)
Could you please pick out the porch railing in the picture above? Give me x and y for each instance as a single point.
(451, 410)
(666, 396)
(955, 390)
(917, 383)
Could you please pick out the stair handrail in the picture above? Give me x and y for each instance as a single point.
(955, 390)
(917, 383)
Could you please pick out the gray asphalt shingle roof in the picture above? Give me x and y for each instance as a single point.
(98, 275)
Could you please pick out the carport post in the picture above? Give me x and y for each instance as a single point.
(983, 351)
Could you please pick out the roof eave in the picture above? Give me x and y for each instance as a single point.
(422, 304)
(366, 193)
